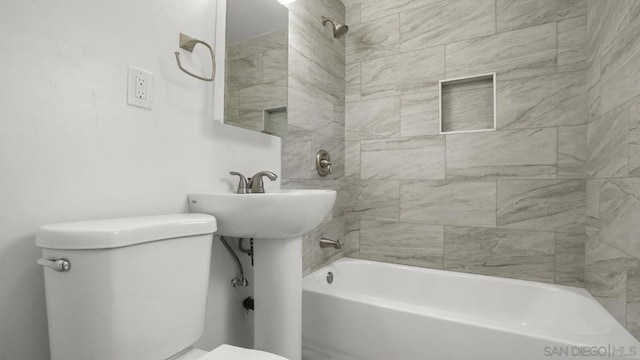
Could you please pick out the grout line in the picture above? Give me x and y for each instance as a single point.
(445, 60)
(496, 204)
(557, 152)
(555, 257)
(445, 157)
(557, 47)
(495, 12)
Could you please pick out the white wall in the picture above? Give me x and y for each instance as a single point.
(71, 149)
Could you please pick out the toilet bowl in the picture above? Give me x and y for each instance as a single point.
(131, 289)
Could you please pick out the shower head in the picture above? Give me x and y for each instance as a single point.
(339, 30)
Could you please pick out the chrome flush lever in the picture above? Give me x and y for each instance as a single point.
(59, 265)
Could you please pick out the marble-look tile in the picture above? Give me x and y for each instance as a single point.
(352, 14)
(470, 203)
(374, 9)
(294, 164)
(625, 47)
(308, 109)
(605, 21)
(634, 137)
(353, 80)
(403, 158)
(468, 106)
(373, 119)
(607, 144)
(311, 71)
(245, 72)
(275, 65)
(633, 302)
(352, 158)
(449, 21)
(374, 39)
(525, 255)
(571, 8)
(594, 87)
(613, 29)
(552, 100)
(549, 205)
(503, 53)
(572, 152)
(622, 84)
(420, 114)
(516, 14)
(592, 221)
(570, 250)
(402, 243)
(605, 277)
(339, 110)
(620, 214)
(527, 153)
(246, 106)
(273, 40)
(401, 74)
(593, 198)
(268, 96)
(351, 246)
(372, 199)
(572, 44)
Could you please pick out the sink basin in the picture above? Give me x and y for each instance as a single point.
(275, 215)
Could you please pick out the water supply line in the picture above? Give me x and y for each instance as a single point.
(237, 281)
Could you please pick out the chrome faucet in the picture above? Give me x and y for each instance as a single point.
(326, 243)
(255, 184)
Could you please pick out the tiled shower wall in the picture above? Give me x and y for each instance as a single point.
(507, 203)
(612, 272)
(256, 80)
(316, 116)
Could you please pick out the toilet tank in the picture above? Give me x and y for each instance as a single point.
(136, 289)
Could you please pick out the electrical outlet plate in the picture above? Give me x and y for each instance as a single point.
(140, 88)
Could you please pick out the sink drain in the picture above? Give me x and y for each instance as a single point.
(330, 277)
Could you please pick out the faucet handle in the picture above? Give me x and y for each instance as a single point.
(256, 185)
(323, 163)
(242, 184)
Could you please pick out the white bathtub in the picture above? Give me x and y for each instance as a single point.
(379, 311)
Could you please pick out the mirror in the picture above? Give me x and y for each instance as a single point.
(257, 66)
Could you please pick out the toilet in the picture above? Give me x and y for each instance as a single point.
(131, 289)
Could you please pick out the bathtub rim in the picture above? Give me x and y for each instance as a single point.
(313, 283)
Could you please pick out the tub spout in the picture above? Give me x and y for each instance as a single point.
(325, 243)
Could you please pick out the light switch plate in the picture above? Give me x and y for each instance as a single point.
(140, 88)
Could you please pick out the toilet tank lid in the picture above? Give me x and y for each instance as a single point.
(114, 233)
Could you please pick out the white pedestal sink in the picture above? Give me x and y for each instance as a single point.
(276, 221)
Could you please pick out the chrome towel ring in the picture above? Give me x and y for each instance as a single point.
(188, 43)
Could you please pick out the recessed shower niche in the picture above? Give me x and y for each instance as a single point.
(468, 104)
